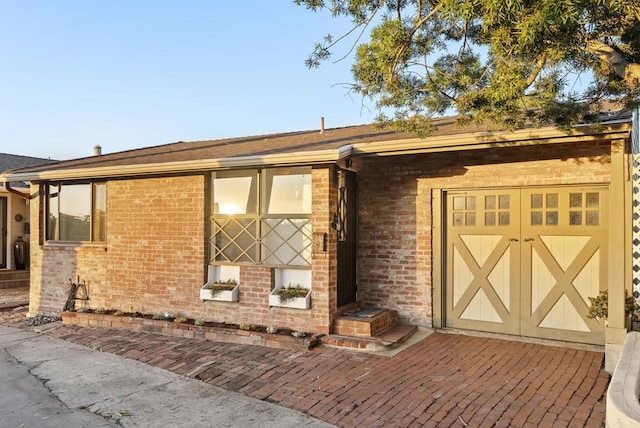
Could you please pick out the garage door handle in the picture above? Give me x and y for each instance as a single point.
(513, 239)
(529, 239)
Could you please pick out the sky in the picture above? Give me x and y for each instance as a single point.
(128, 74)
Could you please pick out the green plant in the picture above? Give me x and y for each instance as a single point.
(222, 285)
(291, 291)
(180, 320)
(226, 282)
(199, 322)
(118, 313)
(272, 329)
(101, 311)
(247, 326)
(158, 316)
(599, 305)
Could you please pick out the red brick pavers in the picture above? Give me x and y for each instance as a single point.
(444, 380)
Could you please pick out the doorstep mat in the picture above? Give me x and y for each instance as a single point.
(364, 313)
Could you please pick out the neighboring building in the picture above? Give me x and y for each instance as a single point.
(506, 232)
(14, 208)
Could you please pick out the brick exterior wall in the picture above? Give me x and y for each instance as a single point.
(155, 259)
(394, 250)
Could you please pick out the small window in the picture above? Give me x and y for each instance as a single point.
(76, 212)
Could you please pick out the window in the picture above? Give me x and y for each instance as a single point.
(76, 212)
(262, 217)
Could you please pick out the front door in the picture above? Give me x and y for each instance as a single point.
(525, 261)
(347, 238)
(3, 232)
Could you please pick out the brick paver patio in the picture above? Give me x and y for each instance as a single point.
(444, 380)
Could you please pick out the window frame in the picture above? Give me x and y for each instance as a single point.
(45, 218)
(260, 251)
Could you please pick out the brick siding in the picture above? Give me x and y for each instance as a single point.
(394, 252)
(155, 259)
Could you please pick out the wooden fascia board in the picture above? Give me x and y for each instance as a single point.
(489, 140)
(288, 159)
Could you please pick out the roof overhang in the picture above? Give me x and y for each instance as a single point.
(431, 144)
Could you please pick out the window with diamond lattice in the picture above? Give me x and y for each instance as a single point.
(262, 217)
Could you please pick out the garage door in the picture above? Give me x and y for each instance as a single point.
(525, 261)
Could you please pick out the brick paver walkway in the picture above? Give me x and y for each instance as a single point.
(444, 380)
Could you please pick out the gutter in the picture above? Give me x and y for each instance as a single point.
(442, 143)
(7, 185)
(288, 159)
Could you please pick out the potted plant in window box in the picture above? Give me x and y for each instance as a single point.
(291, 296)
(221, 290)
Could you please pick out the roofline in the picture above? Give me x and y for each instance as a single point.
(430, 144)
(285, 159)
(486, 140)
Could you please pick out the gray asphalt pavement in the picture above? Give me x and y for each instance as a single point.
(47, 382)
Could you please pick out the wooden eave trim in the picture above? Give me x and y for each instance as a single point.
(163, 168)
(488, 140)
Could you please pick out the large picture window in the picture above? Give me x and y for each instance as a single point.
(262, 217)
(76, 212)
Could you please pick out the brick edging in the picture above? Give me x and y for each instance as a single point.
(189, 331)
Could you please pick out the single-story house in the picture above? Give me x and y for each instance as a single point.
(468, 228)
(14, 209)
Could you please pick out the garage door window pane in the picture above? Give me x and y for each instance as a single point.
(552, 200)
(536, 200)
(458, 203)
(552, 218)
(593, 218)
(575, 218)
(490, 219)
(471, 203)
(457, 219)
(575, 200)
(504, 202)
(504, 219)
(471, 219)
(536, 218)
(593, 200)
(490, 202)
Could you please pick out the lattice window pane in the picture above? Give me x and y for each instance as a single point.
(286, 242)
(234, 240)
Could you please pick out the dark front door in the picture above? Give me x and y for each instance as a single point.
(347, 238)
(3, 233)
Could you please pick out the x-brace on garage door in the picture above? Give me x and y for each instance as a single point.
(525, 261)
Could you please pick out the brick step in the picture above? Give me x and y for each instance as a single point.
(385, 341)
(368, 322)
(13, 279)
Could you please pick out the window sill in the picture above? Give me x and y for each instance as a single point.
(70, 244)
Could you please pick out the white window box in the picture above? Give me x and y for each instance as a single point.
(294, 303)
(219, 276)
(222, 295)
